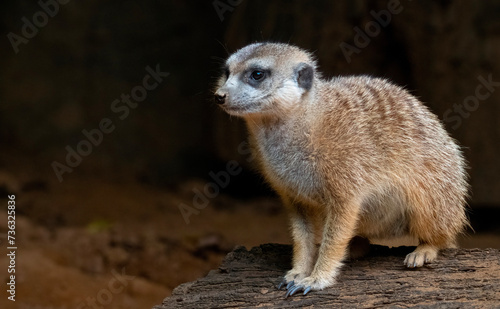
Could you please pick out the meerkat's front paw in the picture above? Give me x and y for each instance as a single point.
(422, 255)
(308, 284)
(290, 278)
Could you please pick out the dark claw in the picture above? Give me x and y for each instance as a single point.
(290, 284)
(281, 284)
(307, 290)
(294, 290)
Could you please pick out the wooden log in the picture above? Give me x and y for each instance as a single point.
(459, 278)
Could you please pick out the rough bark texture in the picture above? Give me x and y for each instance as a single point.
(460, 278)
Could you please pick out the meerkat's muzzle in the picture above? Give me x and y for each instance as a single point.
(220, 98)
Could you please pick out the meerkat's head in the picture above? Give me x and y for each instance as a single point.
(265, 78)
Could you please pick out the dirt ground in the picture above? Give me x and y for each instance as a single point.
(96, 241)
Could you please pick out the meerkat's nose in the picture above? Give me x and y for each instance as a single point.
(220, 98)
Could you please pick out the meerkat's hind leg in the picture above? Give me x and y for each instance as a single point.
(423, 254)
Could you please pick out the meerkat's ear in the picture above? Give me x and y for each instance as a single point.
(304, 74)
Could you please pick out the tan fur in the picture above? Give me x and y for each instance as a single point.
(351, 156)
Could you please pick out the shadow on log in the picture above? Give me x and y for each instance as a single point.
(459, 278)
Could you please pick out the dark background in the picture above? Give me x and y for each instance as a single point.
(65, 78)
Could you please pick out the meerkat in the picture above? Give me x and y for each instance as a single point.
(351, 156)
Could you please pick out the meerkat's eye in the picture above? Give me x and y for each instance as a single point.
(226, 72)
(257, 75)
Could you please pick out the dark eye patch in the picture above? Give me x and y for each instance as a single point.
(255, 75)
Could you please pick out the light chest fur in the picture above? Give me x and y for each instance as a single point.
(287, 157)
